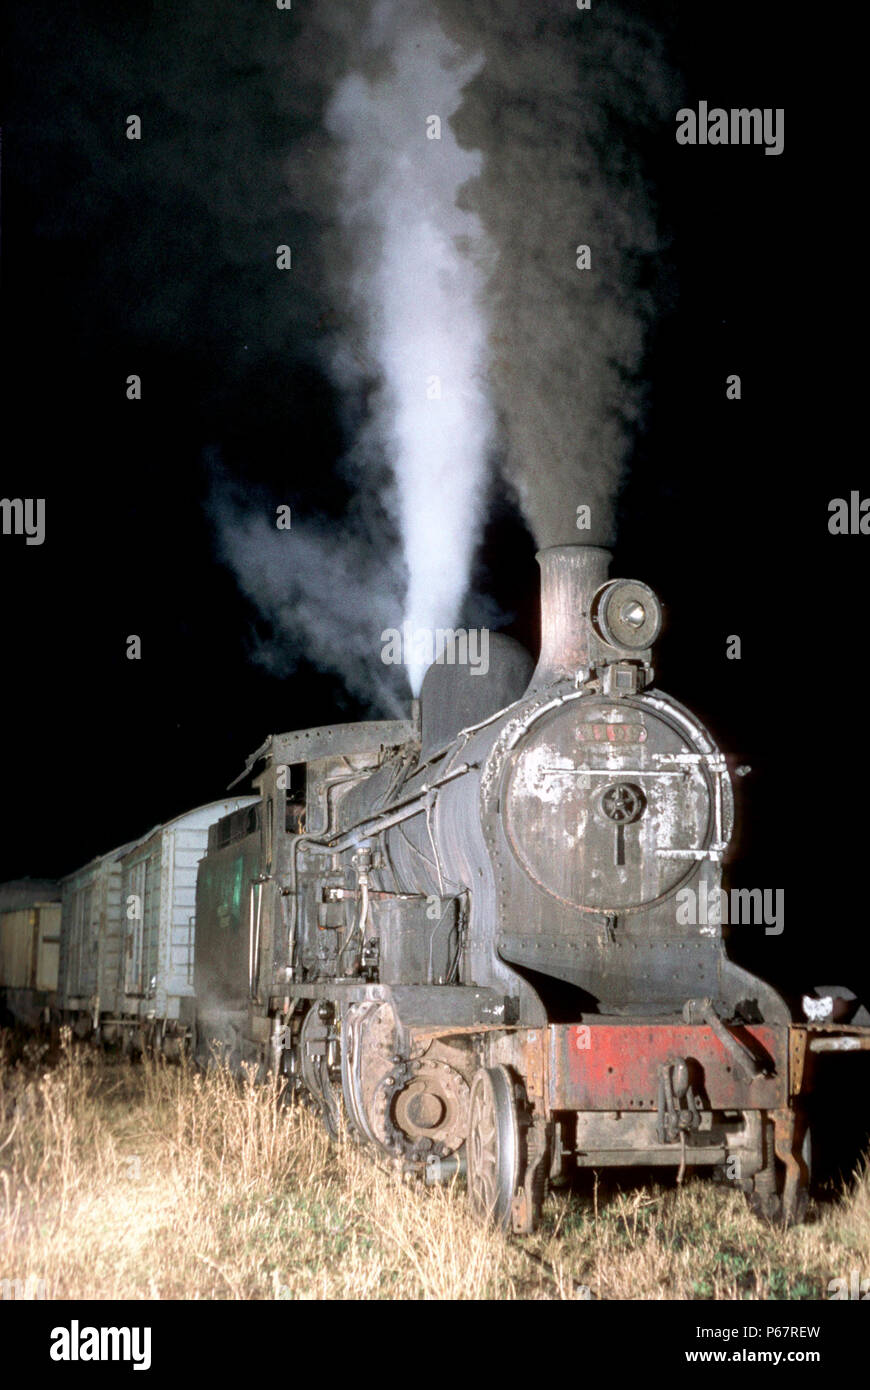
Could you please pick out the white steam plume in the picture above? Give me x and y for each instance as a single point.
(561, 117)
(449, 264)
(416, 285)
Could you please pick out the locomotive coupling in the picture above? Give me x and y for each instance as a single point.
(678, 1108)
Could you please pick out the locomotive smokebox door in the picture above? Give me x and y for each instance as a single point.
(608, 807)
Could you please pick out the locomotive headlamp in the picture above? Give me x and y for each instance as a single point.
(626, 613)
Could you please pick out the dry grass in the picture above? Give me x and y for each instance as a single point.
(151, 1181)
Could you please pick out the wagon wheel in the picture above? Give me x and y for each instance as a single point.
(493, 1146)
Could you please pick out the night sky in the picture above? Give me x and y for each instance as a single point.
(120, 259)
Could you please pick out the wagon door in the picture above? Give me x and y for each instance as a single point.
(135, 910)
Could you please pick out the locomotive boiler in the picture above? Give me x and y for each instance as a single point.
(465, 930)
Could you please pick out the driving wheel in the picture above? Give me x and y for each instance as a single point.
(493, 1153)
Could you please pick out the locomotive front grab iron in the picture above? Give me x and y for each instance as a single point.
(464, 929)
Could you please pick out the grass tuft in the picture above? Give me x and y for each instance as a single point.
(154, 1181)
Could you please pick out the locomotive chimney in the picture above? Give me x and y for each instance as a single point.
(570, 577)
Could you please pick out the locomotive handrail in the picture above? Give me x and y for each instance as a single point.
(465, 734)
(403, 810)
(254, 937)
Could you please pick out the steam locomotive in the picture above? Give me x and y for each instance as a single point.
(464, 929)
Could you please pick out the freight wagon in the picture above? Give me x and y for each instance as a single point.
(90, 940)
(158, 894)
(29, 945)
(127, 934)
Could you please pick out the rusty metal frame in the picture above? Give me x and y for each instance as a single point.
(797, 1054)
(617, 1071)
(784, 1121)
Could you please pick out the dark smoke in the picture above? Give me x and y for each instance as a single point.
(327, 589)
(560, 109)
